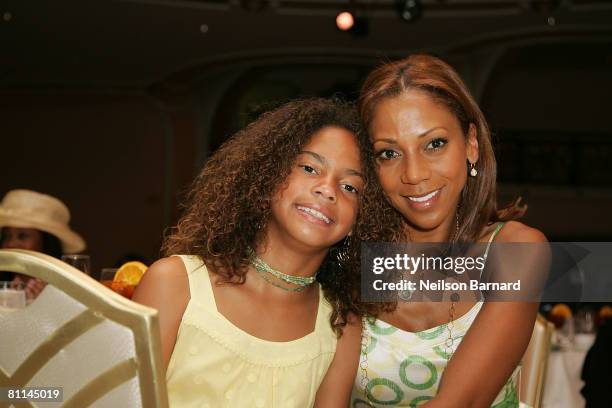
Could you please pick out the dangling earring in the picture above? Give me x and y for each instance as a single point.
(342, 253)
(473, 171)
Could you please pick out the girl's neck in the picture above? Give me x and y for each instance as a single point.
(290, 260)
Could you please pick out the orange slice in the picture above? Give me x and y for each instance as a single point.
(130, 273)
(561, 310)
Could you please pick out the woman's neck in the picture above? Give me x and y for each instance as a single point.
(442, 233)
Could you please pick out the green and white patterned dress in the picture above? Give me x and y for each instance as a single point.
(404, 368)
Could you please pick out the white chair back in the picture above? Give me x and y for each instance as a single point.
(102, 349)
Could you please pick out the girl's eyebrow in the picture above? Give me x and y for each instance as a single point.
(321, 159)
(352, 172)
(316, 156)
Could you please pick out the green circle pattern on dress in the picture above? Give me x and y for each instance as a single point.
(418, 400)
(371, 345)
(430, 335)
(383, 331)
(359, 403)
(438, 350)
(510, 399)
(418, 360)
(399, 394)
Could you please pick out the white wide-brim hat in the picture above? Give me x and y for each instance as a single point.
(29, 209)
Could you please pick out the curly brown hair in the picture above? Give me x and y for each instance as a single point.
(229, 204)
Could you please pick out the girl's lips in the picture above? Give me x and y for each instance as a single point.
(425, 201)
(313, 215)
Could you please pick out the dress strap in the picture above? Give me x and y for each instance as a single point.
(200, 286)
(492, 237)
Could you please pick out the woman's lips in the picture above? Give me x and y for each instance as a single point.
(425, 201)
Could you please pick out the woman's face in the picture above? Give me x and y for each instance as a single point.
(318, 203)
(421, 155)
(21, 238)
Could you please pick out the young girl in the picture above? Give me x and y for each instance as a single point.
(435, 163)
(243, 321)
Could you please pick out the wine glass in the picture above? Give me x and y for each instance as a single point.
(78, 261)
(12, 295)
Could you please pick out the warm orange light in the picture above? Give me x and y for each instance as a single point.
(345, 21)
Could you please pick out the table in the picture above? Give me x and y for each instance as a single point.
(562, 384)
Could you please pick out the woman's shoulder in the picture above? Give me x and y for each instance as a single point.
(515, 231)
(511, 231)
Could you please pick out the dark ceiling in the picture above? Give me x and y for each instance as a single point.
(136, 43)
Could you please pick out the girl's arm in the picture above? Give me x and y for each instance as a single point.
(496, 342)
(335, 390)
(165, 287)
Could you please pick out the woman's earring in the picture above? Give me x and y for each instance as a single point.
(473, 171)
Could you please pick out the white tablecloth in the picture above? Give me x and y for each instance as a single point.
(562, 384)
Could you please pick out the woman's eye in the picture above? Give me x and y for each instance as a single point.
(350, 188)
(436, 144)
(308, 169)
(387, 154)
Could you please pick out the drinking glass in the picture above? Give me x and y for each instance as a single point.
(12, 295)
(585, 320)
(107, 275)
(107, 279)
(81, 262)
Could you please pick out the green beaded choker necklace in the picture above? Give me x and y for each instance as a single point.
(264, 269)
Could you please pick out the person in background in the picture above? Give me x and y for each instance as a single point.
(37, 222)
(596, 372)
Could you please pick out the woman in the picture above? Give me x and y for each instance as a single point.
(37, 222)
(435, 163)
(243, 321)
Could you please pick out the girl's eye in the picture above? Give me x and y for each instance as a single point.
(350, 188)
(436, 144)
(308, 169)
(387, 154)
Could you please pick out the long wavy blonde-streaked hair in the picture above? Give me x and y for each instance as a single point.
(478, 202)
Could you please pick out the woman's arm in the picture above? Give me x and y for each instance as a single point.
(165, 287)
(496, 342)
(335, 390)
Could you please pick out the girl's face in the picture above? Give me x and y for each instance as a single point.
(318, 203)
(21, 238)
(421, 155)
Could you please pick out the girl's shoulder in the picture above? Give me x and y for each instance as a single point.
(169, 268)
(165, 279)
(514, 231)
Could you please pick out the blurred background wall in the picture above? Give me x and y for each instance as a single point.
(114, 106)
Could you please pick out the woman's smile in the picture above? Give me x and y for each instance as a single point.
(424, 201)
